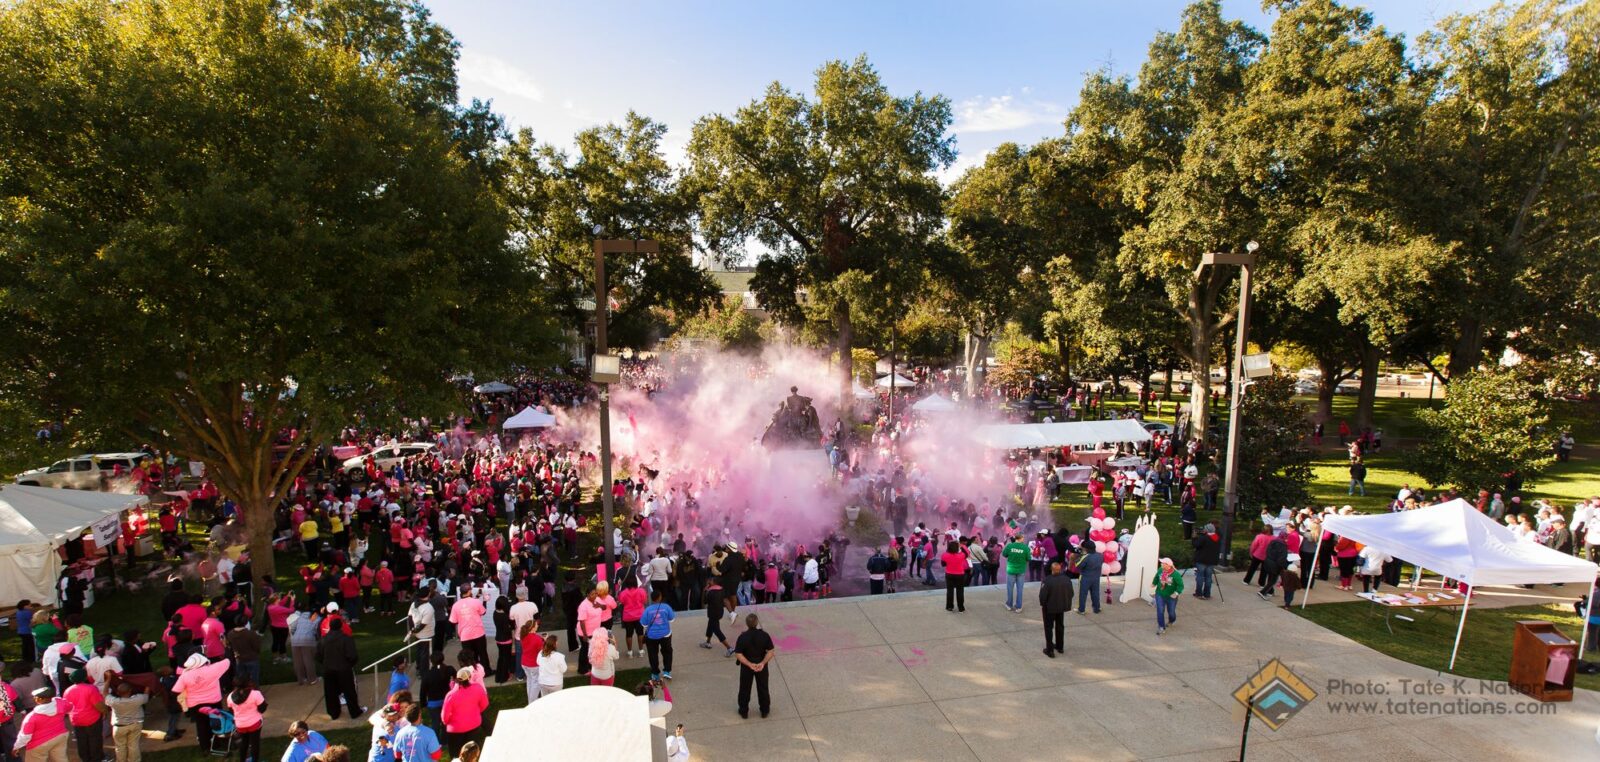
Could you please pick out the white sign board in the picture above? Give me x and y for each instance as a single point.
(106, 530)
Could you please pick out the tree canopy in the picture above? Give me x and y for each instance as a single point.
(230, 234)
(838, 188)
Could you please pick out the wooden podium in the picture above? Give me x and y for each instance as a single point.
(1540, 654)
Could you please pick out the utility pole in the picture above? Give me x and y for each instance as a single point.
(606, 369)
(1230, 505)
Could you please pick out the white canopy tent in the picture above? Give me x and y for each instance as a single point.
(1455, 540)
(934, 403)
(863, 394)
(494, 387)
(530, 418)
(34, 521)
(616, 725)
(897, 381)
(1016, 436)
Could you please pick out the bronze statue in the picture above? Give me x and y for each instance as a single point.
(794, 424)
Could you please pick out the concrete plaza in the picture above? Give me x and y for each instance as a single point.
(897, 677)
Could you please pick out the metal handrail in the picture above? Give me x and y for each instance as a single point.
(378, 696)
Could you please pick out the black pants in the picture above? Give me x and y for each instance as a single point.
(763, 698)
(505, 659)
(250, 745)
(29, 650)
(479, 646)
(454, 741)
(659, 649)
(955, 592)
(92, 746)
(1269, 579)
(714, 630)
(1250, 571)
(337, 682)
(875, 587)
(280, 641)
(1055, 631)
(202, 725)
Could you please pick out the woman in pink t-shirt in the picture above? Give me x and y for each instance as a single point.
(633, 599)
(247, 705)
(593, 613)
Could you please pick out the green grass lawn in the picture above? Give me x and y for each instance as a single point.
(358, 739)
(1485, 644)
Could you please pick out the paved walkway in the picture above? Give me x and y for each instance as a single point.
(896, 677)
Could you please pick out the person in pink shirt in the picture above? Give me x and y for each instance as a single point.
(385, 580)
(87, 707)
(247, 705)
(774, 586)
(467, 616)
(199, 686)
(43, 734)
(192, 614)
(462, 713)
(633, 600)
(279, 607)
(211, 633)
(593, 613)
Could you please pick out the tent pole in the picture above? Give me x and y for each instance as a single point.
(1311, 574)
(1471, 588)
(1588, 613)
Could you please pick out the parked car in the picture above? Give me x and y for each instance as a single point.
(1305, 387)
(386, 457)
(83, 471)
(1158, 428)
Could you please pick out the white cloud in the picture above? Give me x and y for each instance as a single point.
(1000, 113)
(499, 75)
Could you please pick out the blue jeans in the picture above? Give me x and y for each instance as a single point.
(1014, 590)
(1089, 593)
(1166, 610)
(1203, 574)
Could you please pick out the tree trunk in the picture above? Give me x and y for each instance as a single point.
(1200, 381)
(1467, 351)
(1370, 356)
(843, 338)
(1063, 350)
(260, 523)
(977, 352)
(1166, 389)
(1144, 389)
(1326, 386)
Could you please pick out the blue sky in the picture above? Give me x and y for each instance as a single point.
(1011, 68)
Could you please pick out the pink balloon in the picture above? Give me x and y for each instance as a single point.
(1075, 540)
(1109, 523)
(1112, 567)
(1098, 513)
(1111, 555)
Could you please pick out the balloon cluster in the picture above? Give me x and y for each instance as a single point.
(1103, 534)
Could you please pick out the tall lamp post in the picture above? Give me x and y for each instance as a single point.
(606, 369)
(1246, 262)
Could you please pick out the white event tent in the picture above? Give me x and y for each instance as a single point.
(34, 521)
(616, 725)
(898, 381)
(494, 387)
(530, 418)
(934, 403)
(1455, 540)
(1016, 436)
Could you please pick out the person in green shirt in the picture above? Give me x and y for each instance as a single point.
(1168, 585)
(1016, 555)
(45, 630)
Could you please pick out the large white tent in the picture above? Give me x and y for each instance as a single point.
(934, 403)
(1455, 540)
(616, 725)
(897, 381)
(530, 418)
(34, 521)
(1015, 436)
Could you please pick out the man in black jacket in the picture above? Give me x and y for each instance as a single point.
(1207, 548)
(1055, 599)
(339, 663)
